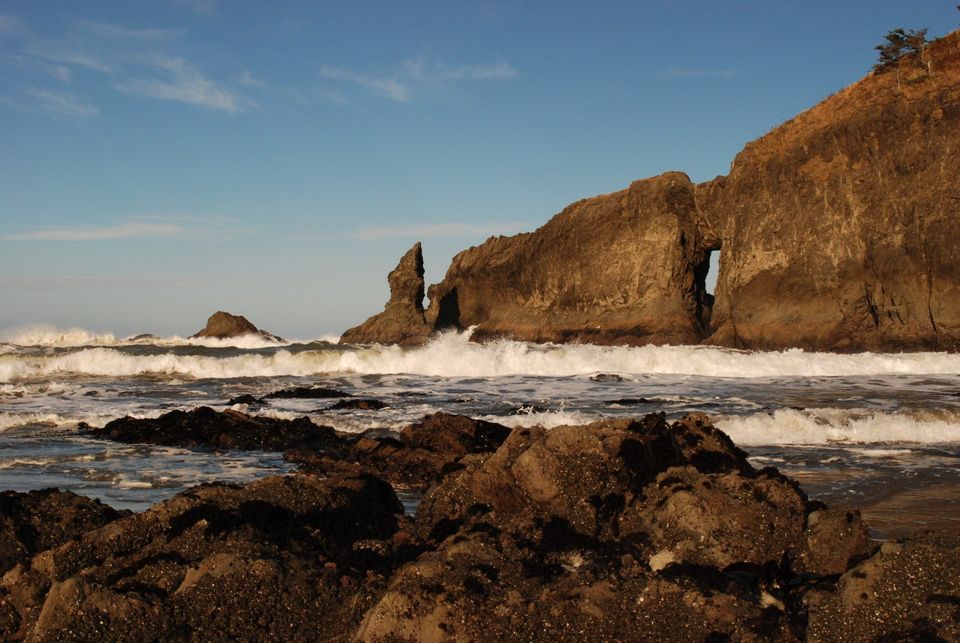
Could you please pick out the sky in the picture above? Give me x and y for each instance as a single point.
(164, 159)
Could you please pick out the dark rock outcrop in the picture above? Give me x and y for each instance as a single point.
(908, 591)
(838, 231)
(288, 558)
(37, 520)
(223, 325)
(415, 458)
(628, 530)
(306, 393)
(621, 530)
(402, 320)
(204, 427)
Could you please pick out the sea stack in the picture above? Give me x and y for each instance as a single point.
(838, 230)
(222, 325)
(402, 320)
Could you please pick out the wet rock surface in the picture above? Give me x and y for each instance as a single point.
(631, 530)
(415, 457)
(306, 393)
(204, 427)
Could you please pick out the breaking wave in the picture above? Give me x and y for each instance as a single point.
(453, 355)
(53, 337)
(842, 426)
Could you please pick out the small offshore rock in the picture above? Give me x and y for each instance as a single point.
(306, 393)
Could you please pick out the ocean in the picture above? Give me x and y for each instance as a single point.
(877, 431)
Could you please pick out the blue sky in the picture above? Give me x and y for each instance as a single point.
(162, 159)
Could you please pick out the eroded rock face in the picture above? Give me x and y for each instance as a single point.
(402, 320)
(625, 530)
(618, 268)
(838, 230)
(223, 325)
(840, 227)
(289, 558)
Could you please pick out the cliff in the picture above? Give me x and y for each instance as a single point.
(840, 228)
(839, 231)
(402, 320)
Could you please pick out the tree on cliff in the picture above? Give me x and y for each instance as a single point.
(917, 46)
(900, 45)
(891, 52)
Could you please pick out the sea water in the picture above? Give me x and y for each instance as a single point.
(878, 431)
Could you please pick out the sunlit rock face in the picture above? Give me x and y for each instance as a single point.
(838, 230)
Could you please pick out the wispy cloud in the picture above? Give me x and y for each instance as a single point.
(62, 103)
(680, 72)
(117, 32)
(388, 87)
(87, 283)
(123, 230)
(184, 83)
(435, 70)
(434, 231)
(9, 26)
(139, 61)
(419, 72)
(69, 55)
(61, 73)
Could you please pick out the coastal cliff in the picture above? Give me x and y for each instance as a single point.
(838, 230)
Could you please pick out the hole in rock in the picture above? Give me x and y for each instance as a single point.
(704, 284)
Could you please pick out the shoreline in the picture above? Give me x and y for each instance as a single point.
(520, 532)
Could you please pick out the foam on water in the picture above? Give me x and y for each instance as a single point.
(43, 335)
(820, 426)
(453, 355)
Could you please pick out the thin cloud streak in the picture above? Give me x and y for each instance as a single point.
(434, 231)
(185, 84)
(430, 71)
(135, 61)
(388, 87)
(116, 32)
(62, 103)
(133, 230)
(420, 72)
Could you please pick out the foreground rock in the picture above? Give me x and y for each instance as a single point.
(619, 530)
(910, 591)
(223, 325)
(838, 231)
(289, 558)
(402, 320)
(415, 458)
(38, 520)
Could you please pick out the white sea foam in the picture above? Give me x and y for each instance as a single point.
(843, 426)
(46, 335)
(50, 336)
(13, 419)
(453, 355)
